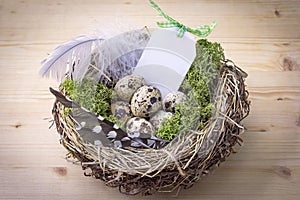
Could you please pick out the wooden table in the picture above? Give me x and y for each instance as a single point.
(263, 37)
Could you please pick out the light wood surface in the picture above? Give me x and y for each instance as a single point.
(262, 37)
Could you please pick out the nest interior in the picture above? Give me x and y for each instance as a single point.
(182, 162)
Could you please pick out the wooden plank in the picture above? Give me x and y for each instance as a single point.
(280, 86)
(246, 51)
(261, 36)
(222, 180)
(276, 55)
(270, 18)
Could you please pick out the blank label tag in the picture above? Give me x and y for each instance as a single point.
(166, 59)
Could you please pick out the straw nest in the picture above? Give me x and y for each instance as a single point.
(181, 163)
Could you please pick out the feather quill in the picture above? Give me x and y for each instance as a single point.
(72, 57)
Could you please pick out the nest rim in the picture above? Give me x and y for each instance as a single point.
(177, 172)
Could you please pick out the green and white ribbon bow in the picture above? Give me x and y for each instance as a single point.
(201, 31)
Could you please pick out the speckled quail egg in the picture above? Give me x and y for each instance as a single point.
(158, 118)
(121, 111)
(172, 100)
(139, 127)
(126, 86)
(146, 101)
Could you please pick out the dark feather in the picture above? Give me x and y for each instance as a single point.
(95, 128)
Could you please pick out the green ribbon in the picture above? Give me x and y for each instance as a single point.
(201, 31)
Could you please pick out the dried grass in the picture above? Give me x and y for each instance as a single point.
(179, 164)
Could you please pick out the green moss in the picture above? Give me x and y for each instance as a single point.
(170, 127)
(197, 85)
(212, 52)
(96, 97)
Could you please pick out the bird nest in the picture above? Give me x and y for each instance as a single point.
(182, 161)
(210, 120)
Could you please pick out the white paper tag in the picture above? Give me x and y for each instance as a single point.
(166, 59)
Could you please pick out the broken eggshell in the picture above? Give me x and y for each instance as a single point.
(127, 85)
(139, 128)
(146, 101)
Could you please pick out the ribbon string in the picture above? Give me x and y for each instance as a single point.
(201, 31)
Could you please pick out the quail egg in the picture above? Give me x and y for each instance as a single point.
(121, 111)
(126, 86)
(158, 118)
(146, 101)
(139, 127)
(172, 100)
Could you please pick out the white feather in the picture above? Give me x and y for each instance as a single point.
(72, 57)
(117, 56)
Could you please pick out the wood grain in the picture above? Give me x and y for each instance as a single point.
(263, 37)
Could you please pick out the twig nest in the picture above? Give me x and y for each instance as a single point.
(138, 127)
(128, 85)
(121, 111)
(146, 101)
(158, 118)
(173, 99)
(142, 160)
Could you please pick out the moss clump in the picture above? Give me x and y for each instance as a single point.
(197, 85)
(96, 97)
(170, 127)
(203, 72)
